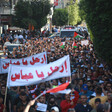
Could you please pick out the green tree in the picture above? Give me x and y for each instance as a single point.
(98, 14)
(34, 13)
(73, 9)
(40, 11)
(60, 17)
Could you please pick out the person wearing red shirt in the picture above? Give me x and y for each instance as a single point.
(69, 102)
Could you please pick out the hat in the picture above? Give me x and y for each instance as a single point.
(85, 87)
(55, 109)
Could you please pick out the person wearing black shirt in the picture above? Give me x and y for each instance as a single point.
(52, 103)
(83, 106)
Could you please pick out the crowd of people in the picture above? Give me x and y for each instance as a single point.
(91, 81)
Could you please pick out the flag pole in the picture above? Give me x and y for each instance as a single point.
(40, 95)
(6, 92)
(5, 98)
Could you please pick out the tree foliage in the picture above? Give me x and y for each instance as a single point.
(73, 10)
(34, 13)
(98, 14)
(60, 17)
(69, 15)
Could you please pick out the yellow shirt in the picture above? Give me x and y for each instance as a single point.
(102, 98)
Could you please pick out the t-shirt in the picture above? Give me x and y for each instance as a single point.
(17, 100)
(21, 106)
(83, 108)
(12, 95)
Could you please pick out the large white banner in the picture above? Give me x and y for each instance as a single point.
(21, 75)
(40, 58)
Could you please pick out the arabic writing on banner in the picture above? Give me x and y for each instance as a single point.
(40, 58)
(21, 75)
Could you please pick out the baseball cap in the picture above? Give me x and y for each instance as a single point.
(55, 109)
(85, 87)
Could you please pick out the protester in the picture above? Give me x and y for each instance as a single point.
(83, 106)
(100, 108)
(98, 91)
(29, 105)
(69, 103)
(97, 102)
(85, 91)
(107, 107)
(109, 99)
(21, 99)
(52, 104)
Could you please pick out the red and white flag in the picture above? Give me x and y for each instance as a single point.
(60, 89)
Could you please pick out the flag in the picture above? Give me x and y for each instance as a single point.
(59, 88)
(66, 91)
(79, 36)
(62, 45)
(75, 34)
(74, 45)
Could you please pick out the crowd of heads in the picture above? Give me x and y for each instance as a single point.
(91, 76)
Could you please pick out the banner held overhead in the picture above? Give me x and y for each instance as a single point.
(40, 58)
(22, 75)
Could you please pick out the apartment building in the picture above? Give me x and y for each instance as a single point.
(62, 4)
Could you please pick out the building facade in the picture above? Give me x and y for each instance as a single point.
(62, 4)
